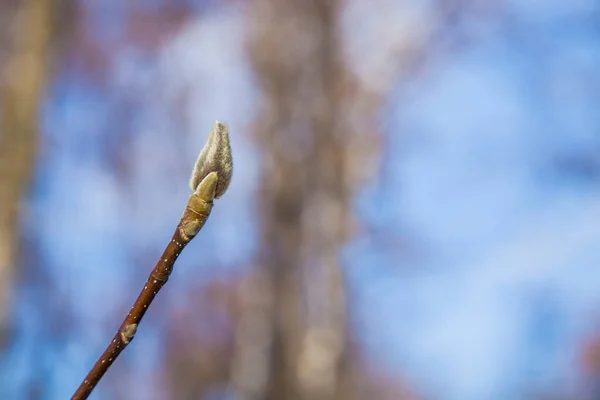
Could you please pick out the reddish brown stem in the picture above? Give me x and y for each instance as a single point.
(158, 277)
(194, 217)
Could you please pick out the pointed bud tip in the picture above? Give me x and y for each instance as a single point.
(219, 126)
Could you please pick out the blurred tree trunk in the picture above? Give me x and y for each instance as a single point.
(24, 78)
(292, 334)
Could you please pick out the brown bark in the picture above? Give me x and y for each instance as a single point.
(195, 215)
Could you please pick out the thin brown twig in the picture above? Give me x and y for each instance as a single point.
(210, 179)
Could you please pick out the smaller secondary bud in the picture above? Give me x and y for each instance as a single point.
(128, 333)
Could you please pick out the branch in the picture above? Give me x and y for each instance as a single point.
(210, 179)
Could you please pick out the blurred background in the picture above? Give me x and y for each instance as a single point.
(414, 212)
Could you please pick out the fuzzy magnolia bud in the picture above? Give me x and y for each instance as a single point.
(215, 157)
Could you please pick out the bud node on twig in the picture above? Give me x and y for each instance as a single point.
(128, 333)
